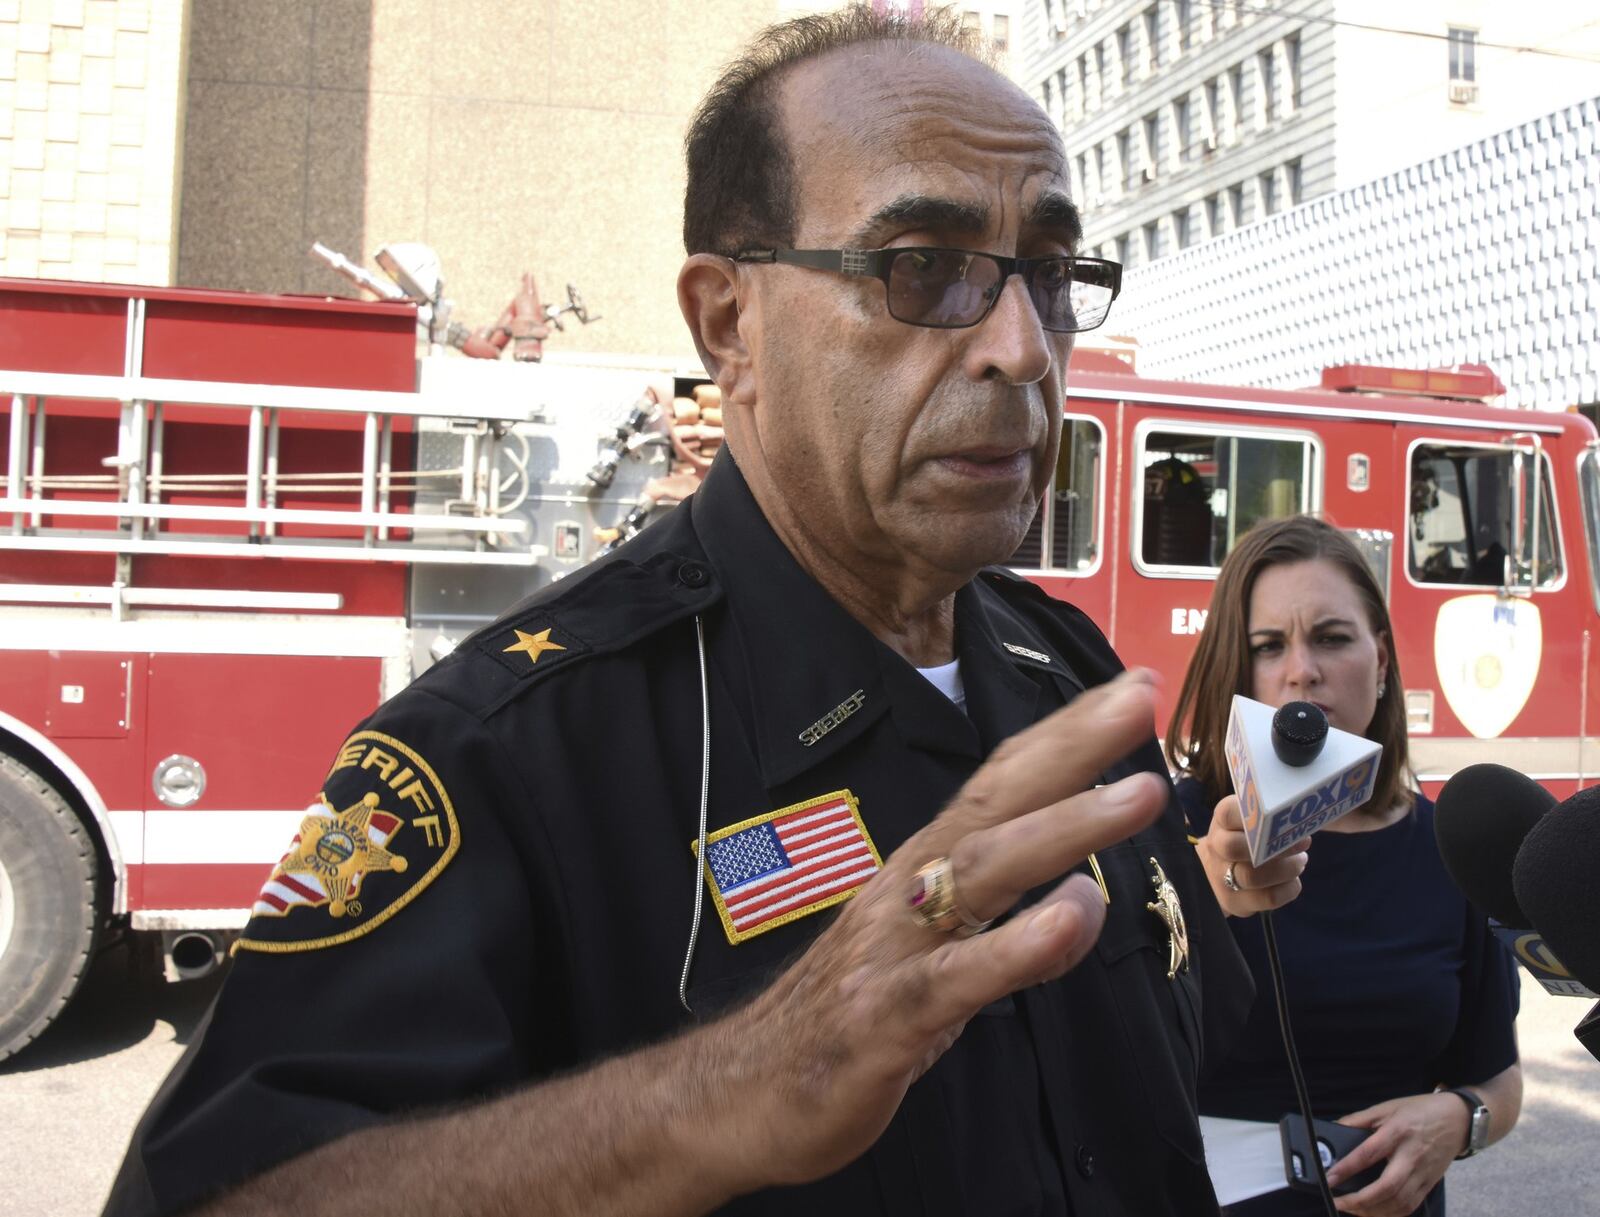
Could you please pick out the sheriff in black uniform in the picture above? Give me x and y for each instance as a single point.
(643, 901)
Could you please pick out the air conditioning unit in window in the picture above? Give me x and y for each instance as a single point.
(1058, 27)
(1464, 92)
(1147, 174)
(1208, 143)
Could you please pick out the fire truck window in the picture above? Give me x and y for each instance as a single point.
(1203, 492)
(1064, 532)
(1461, 507)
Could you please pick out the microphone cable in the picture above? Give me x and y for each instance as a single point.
(1301, 1094)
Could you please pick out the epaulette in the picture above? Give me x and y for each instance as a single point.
(1091, 653)
(1019, 590)
(596, 612)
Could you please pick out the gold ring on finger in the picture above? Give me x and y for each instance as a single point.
(934, 904)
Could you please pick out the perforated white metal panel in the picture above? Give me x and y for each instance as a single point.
(1486, 254)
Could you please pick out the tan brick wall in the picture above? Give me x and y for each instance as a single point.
(90, 122)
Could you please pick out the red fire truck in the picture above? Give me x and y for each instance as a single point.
(1481, 523)
(231, 524)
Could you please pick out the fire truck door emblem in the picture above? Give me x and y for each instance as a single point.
(1486, 651)
(380, 832)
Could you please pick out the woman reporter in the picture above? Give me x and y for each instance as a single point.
(1402, 1001)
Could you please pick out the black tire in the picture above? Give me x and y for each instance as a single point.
(48, 879)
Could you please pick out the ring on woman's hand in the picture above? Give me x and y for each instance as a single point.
(1228, 881)
(933, 901)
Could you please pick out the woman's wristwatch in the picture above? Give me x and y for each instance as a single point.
(1477, 1124)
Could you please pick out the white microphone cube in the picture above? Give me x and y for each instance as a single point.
(1282, 803)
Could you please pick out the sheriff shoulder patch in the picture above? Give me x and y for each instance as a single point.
(381, 831)
(788, 864)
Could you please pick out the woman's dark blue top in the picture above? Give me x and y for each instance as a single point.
(1395, 984)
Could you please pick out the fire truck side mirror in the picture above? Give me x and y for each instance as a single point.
(1521, 565)
(1376, 545)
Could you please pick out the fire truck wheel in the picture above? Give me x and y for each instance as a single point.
(47, 904)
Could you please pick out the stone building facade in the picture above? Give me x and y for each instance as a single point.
(1188, 119)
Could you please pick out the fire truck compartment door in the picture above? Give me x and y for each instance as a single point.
(88, 695)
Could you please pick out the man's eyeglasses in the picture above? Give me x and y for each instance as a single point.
(951, 289)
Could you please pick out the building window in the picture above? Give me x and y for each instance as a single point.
(1269, 192)
(1214, 216)
(1235, 102)
(1149, 149)
(1152, 238)
(1291, 173)
(1125, 252)
(1125, 158)
(1213, 102)
(1125, 55)
(1236, 206)
(1100, 171)
(1002, 33)
(1083, 177)
(1181, 12)
(1049, 94)
(1181, 231)
(1463, 54)
(1180, 121)
(1101, 88)
(1152, 40)
(1061, 92)
(1083, 83)
(1267, 76)
(1291, 67)
(972, 22)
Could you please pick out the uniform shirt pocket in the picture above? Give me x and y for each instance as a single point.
(1159, 1017)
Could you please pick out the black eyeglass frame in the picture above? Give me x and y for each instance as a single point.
(876, 264)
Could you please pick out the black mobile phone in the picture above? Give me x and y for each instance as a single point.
(1334, 1141)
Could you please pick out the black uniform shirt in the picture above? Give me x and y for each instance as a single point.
(501, 881)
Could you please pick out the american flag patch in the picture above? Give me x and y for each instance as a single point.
(787, 864)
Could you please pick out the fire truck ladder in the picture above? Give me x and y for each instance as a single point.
(132, 494)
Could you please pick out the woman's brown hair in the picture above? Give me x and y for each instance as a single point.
(1221, 663)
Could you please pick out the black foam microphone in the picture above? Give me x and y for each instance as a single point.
(1485, 815)
(1554, 876)
(1299, 729)
(1588, 1031)
(1482, 815)
(1557, 880)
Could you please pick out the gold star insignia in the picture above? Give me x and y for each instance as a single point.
(1166, 907)
(533, 645)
